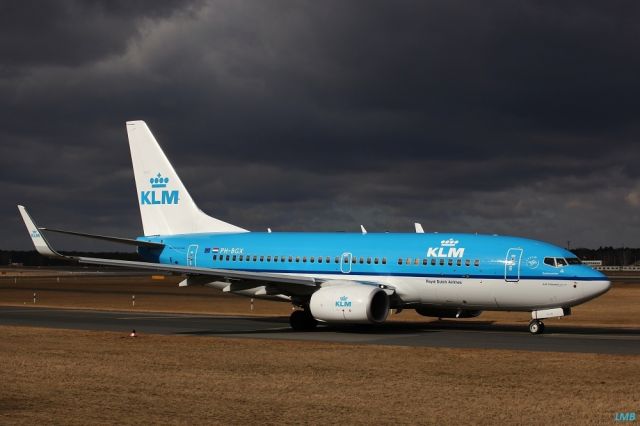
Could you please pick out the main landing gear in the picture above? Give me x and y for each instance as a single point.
(536, 326)
(302, 320)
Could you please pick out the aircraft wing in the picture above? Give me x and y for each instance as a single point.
(128, 241)
(286, 284)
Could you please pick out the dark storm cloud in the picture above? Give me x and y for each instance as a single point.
(71, 32)
(511, 117)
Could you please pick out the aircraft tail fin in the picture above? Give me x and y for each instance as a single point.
(165, 204)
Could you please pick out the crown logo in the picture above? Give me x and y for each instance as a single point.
(159, 181)
(344, 298)
(449, 243)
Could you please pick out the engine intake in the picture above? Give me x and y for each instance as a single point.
(345, 302)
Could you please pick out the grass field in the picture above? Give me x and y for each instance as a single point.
(80, 377)
(77, 377)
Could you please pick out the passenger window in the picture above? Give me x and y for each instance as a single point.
(400, 261)
(304, 259)
(297, 259)
(416, 261)
(328, 259)
(368, 261)
(361, 260)
(319, 259)
(234, 258)
(261, 258)
(290, 259)
(275, 258)
(441, 262)
(227, 257)
(268, 258)
(354, 259)
(467, 262)
(255, 258)
(550, 261)
(241, 258)
(345, 259)
(425, 262)
(433, 262)
(282, 258)
(215, 256)
(408, 261)
(476, 262)
(450, 262)
(459, 262)
(337, 259)
(384, 260)
(375, 260)
(312, 259)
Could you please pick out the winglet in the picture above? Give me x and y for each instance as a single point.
(419, 229)
(364, 231)
(39, 241)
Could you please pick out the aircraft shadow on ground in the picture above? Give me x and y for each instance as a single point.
(396, 328)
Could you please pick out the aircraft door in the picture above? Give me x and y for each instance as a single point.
(345, 262)
(512, 265)
(192, 252)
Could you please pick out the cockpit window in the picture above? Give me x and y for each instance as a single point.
(559, 262)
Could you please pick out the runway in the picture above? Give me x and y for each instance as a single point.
(449, 334)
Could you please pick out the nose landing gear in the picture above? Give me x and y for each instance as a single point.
(536, 326)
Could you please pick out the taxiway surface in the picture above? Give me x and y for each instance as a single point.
(451, 334)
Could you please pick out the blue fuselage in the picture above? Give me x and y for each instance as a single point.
(459, 271)
(374, 254)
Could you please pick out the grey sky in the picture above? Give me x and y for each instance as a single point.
(512, 117)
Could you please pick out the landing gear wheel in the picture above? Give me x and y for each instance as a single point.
(536, 326)
(302, 320)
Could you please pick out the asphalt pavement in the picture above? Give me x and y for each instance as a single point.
(449, 334)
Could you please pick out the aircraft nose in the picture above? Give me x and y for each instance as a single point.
(596, 288)
(605, 286)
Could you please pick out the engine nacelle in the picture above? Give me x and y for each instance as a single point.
(345, 302)
(447, 312)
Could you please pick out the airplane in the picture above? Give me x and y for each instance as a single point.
(338, 278)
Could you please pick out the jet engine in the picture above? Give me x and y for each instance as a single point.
(447, 312)
(345, 302)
